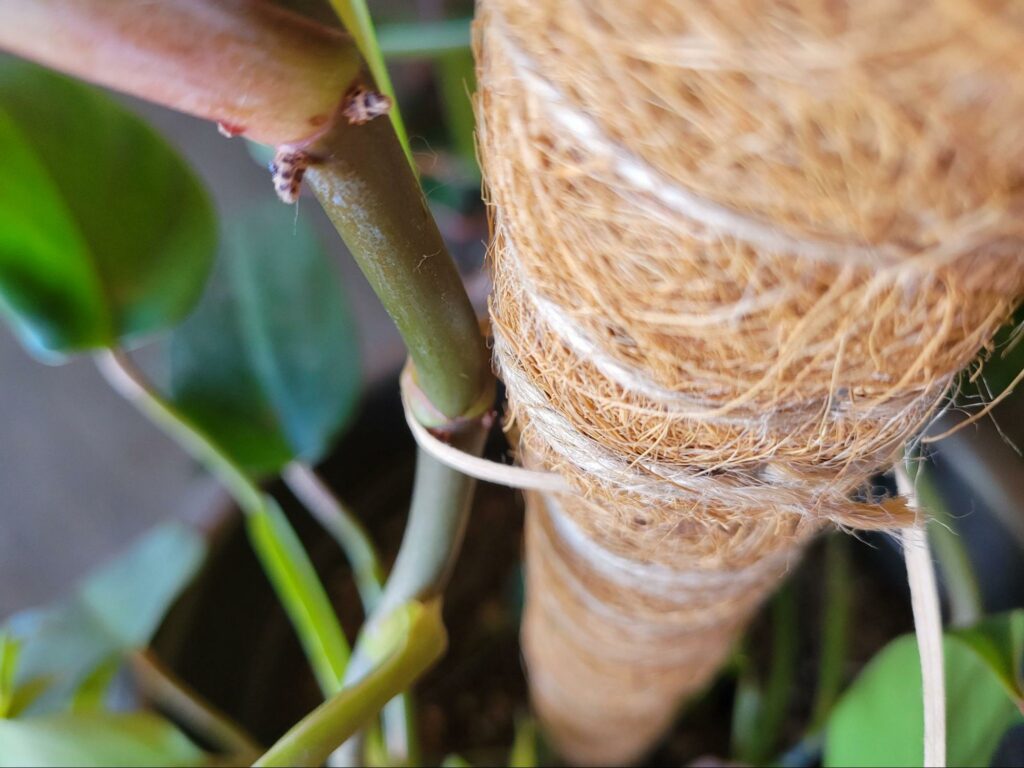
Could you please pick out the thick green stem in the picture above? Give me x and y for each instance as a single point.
(433, 536)
(401, 650)
(365, 185)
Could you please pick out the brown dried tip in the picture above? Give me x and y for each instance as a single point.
(360, 104)
(287, 169)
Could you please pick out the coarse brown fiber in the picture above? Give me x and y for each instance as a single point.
(741, 251)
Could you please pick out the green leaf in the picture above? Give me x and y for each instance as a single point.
(92, 692)
(295, 581)
(356, 17)
(95, 739)
(114, 610)
(268, 365)
(9, 650)
(524, 746)
(105, 233)
(130, 596)
(457, 79)
(880, 721)
(999, 642)
(424, 39)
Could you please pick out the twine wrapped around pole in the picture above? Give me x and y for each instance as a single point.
(741, 250)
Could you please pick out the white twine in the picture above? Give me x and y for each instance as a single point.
(924, 600)
(483, 469)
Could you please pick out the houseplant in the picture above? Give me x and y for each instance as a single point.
(357, 167)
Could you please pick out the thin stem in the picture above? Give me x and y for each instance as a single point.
(756, 742)
(834, 629)
(403, 649)
(343, 526)
(128, 381)
(399, 715)
(176, 698)
(280, 553)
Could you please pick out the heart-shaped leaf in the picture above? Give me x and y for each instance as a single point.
(268, 365)
(999, 641)
(105, 233)
(95, 739)
(880, 722)
(114, 610)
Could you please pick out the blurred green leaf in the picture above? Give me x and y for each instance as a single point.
(9, 651)
(95, 739)
(457, 79)
(105, 233)
(268, 365)
(424, 39)
(999, 367)
(297, 585)
(524, 746)
(999, 641)
(114, 610)
(92, 692)
(759, 713)
(880, 721)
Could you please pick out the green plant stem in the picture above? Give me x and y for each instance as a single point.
(433, 535)
(180, 701)
(370, 194)
(344, 528)
(834, 629)
(355, 16)
(400, 656)
(756, 745)
(400, 714)
(284, 561)
(962, 589)
(375, 202)
(430, 546)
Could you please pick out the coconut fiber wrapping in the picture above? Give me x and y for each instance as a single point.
(741, 250)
